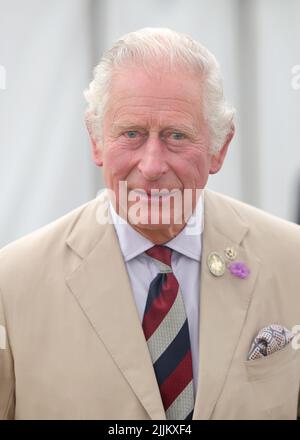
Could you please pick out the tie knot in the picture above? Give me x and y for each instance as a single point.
(162, 254)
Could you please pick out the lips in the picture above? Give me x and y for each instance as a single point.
(154, 194)
(154, 191)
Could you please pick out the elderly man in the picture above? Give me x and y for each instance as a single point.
(157, 299)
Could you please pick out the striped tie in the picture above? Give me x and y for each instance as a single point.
(166, 330)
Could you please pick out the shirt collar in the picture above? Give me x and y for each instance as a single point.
(187, 242)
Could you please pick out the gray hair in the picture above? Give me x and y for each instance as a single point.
(176, 49)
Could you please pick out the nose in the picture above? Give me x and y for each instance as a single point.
(153, 162)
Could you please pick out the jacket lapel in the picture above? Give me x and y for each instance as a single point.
(102, 288)
(224, 300)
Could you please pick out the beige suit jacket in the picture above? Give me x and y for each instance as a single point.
(75, 348)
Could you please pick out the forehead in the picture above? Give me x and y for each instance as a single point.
(134, 90)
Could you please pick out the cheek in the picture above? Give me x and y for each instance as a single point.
(118, 161)
(201, 166)
(192, 169)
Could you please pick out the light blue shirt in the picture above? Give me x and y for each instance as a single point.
(186, 260)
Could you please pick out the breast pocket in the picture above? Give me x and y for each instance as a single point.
(274, 380)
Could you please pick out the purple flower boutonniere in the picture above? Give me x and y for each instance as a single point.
(239, 269)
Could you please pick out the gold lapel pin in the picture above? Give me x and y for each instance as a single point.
(216, 264)
(230, 253)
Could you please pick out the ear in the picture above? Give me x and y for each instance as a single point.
(97, 152)
(218, 158)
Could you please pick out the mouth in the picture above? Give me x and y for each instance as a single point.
(154, 194)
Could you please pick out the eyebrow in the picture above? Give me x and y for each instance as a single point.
(181, 128)
(130, 125)
(126, 126)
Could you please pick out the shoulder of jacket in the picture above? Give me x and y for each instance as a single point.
(259, 222)
(51, 234)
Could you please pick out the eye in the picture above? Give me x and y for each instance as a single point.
(131, 134)
(177, 136)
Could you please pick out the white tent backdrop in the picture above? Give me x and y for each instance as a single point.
(45, 164)
(47, 52)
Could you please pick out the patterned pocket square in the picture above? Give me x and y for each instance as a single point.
(272, 338)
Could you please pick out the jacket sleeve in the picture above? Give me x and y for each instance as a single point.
(7, 379)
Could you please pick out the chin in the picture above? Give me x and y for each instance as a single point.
(158, 226)
(152, 227)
